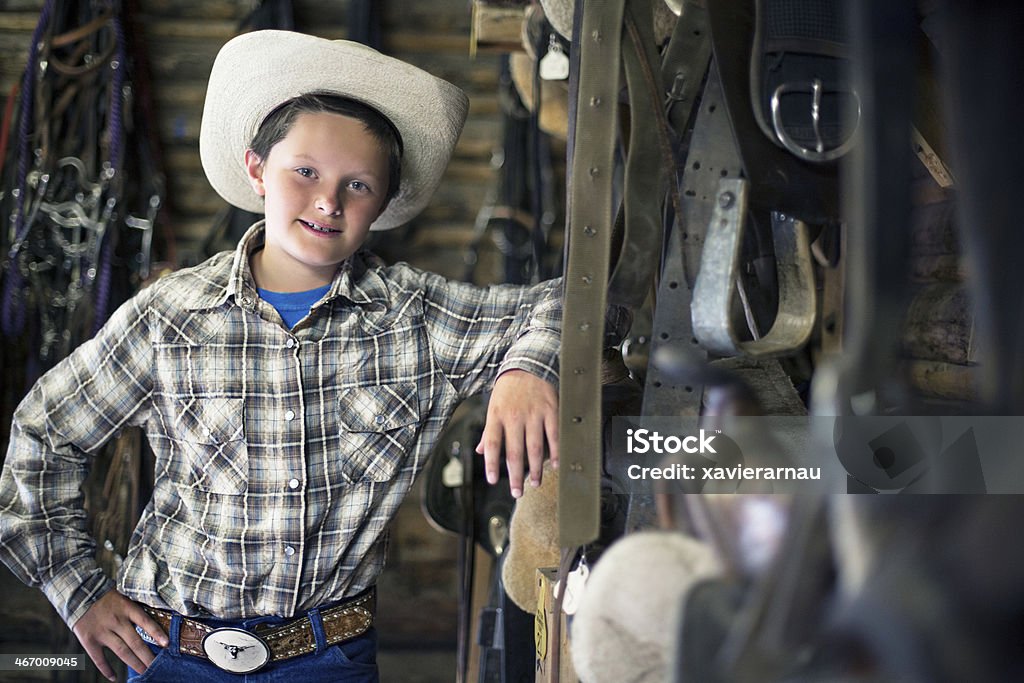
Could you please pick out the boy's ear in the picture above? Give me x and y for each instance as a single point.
(254, 169)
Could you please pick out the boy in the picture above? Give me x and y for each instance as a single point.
(291, 391)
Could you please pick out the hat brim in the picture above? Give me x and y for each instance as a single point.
(256, 72)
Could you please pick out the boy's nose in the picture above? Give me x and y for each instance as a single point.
(328, 205)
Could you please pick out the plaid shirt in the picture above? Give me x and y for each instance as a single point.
(281, 455)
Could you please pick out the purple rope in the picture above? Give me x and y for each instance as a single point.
(101, 299)
(116, 99)
(13, 304)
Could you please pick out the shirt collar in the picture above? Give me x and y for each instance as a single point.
(358, 279)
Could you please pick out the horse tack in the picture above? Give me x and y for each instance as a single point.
(779, 180)
(71, 129)
(712, 316)
(589, 254)
(651, 169)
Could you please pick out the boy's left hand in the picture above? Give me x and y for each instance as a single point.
(522, 414)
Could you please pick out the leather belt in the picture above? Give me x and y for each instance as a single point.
(244, 651)
(586, 273)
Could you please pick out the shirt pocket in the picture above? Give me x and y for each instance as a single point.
(377, 426)
(211, 433)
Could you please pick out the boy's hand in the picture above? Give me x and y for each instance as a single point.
(522, 413)
(110, 623)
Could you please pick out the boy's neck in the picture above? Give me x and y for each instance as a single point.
(275, 277)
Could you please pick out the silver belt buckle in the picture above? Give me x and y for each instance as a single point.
(235, 650)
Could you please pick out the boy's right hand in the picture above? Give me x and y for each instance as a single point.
(110, 623)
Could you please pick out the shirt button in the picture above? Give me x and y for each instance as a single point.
(246, 301)
(289, 551)
(293, 483)
(379, 419)
(290, 343)
(289, 415)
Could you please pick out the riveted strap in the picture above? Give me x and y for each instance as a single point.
(589, 252)
(675, 352)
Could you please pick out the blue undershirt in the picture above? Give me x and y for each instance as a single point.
(293, 306)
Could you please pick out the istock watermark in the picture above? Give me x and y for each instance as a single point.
(646, 441)
(875, 455)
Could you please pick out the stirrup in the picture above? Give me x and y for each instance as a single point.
(719, 270)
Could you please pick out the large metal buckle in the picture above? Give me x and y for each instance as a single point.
(816, 89)
(236, 651)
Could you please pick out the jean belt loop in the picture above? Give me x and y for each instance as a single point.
(318, 629)
(174, 634)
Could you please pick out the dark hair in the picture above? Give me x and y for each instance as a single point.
(278, 122)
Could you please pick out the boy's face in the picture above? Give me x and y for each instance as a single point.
(323, 186)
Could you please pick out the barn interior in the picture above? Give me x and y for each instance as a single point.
(808, 209)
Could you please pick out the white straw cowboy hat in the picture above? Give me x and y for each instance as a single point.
(257, 72)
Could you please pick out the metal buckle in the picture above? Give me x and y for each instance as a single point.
(236, 651)
(819, 153)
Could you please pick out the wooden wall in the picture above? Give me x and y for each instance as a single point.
(182, 37)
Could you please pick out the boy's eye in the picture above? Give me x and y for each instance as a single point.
(359, 186)
(305, 172)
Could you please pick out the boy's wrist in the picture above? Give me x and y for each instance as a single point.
(70, 595)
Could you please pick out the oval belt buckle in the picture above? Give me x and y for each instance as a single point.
(235, 650)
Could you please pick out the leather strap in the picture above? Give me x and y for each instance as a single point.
(589, 253)
(651, 166)
(674, 350)
(342, 622)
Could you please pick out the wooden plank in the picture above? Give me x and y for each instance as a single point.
(182, 159)
(435, 43)
(472, 75)
(937, 268)
(933, 230)
(19, 21)
(207, 29)
(945, 380)
(180, 94)
(316, 15)
(201, 10)
(497, 27)
(929, 130)
(940, 325)
(437, 16)
(472, 171)
(935, 244)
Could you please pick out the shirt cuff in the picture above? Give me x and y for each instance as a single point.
(76, 587)
(536, 353)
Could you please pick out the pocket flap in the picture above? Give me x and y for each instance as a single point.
(379, 408)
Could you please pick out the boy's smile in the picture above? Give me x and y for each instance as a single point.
(323, 186)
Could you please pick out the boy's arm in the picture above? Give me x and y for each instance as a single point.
(512, 333)
(67, 418)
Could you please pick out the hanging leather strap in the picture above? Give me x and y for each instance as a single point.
(651, 165)
(589, 252)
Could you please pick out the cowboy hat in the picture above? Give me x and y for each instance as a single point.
(257, 72)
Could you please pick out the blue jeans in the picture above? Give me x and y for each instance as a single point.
(353, 661)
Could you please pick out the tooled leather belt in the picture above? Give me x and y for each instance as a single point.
(244, 651)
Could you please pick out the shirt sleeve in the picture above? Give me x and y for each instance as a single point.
(66, 419)
(478, 333)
